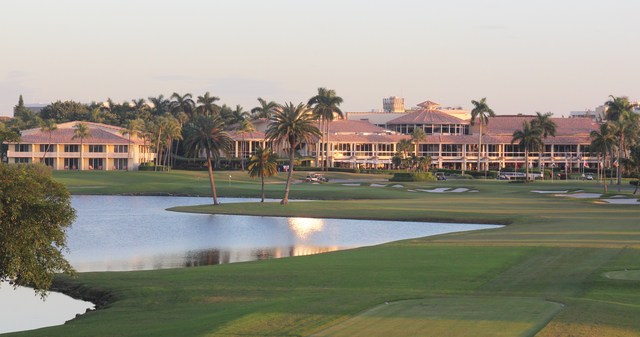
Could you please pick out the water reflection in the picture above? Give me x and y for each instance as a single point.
(119, 233)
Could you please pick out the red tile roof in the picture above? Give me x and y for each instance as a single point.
(506, 125)
(100, 134)
(353, 126)
(427, 117)
(255, 135)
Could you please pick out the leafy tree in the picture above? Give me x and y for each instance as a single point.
(292, 124)
(481, 112)
(81, 131)
(65, 111)
(602, 142)
(35, 212)
(265, 110)
(325, 106)
(529, 138)
(206, 134)
(49, 126)
(262, 164)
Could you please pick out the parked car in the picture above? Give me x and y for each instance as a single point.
(315, 178)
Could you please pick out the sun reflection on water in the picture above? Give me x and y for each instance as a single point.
(304, 227)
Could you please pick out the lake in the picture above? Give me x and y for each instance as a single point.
(125, 233)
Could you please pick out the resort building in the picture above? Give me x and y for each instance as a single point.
(393, 104)
(105, 148)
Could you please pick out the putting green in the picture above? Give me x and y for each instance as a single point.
(633, 275)
(451, 316)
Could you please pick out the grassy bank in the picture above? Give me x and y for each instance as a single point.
(543, 274)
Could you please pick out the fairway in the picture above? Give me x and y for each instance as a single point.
(633, 275)
(451, 316)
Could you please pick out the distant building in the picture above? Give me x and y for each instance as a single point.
(105, 149)
(393, 104)
(591, 114)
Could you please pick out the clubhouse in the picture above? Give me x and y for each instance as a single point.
(106, 148)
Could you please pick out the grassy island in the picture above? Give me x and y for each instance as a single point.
(556, 269)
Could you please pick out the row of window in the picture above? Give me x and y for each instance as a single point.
(73, 148)
(432, 129)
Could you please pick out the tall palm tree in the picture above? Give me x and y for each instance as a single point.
(262, 164)
(206, 134)
(182, 103)
(548, 128)
(131, 128)
(620, 114)
(244, 127)
(481, 112)
(161, 105)
(81, 131)
(325, 107)
(49, 126)
(417, 137)
(173, 131)
(207, 104)
(602, 142)
(529, 138)
(292, 124)
(238, 115)
(265, 109)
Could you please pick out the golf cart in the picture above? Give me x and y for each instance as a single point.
(315, 178)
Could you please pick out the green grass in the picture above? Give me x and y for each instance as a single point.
(554, 250)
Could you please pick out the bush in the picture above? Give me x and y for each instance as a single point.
(633, 182)
(412, 176)
(152, 167)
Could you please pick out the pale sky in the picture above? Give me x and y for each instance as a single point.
(524, 56)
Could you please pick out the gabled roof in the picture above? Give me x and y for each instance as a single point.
(506, 125)
(100, 134)
(353, 126)
(427, 117)
(429, 105)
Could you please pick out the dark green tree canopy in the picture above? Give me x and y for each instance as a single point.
(35, 212)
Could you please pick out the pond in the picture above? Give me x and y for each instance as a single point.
(124, 233)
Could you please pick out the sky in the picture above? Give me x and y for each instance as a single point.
(523, 56)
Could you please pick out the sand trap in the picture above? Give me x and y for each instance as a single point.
(411, 190)
(580, 195)
(350, 184)
(545, 192)
(459, 190)
(397, 186)
(622, 201)
(619, 196)
(378, 185)
(474, 191)
(436, 190)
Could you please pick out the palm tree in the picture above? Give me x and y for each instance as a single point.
(81, 131)
(620, 113)
(548, 128)
(265, 109)
(602, 142)
(207, 104)
(293, 125)
(160, 105)
(325, 106)
(206, 134)
(244, 127)
(417, 137)
(48, 125)
(262, 164)
(238, 115)
(173, 131)
(182, 103)
(529, 138)
(481, 112)
(131, 128)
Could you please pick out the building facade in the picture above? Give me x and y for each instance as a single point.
(106, 148)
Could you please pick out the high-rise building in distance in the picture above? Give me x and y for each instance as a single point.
(393, 104)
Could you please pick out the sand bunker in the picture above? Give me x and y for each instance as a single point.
(350, 184)
(378, 185)
(397, 186)
(622, 201)
(548, 192)
(446, 190)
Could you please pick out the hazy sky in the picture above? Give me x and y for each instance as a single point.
(524, 56)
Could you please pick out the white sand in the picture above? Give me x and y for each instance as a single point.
(545, 192)
(378, 185)
(622, 201)
(580, 195)
(436, 190)
(459, 190)
(397, 186)
(410, 190)
(474, 191)
(350, 184)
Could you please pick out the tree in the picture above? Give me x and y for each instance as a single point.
(48, 125)
(182, 103)
(602, 142)
(161, 105)
(417, 137)
(481, 112)
(262, 164)
(81, 131)
(207, 104)
(131, 128)
(35, 212)
(265, 110)
(634, 163)
(325, 106)
(64, 111)
(238, 115)
(625, 122)
(206, 134)
(546, 126)
(529, 138)
(293, 125)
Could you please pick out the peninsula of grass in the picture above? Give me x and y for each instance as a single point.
(543, 274)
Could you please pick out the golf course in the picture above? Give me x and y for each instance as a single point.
(566, 263)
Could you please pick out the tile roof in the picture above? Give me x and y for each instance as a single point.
(427, 117)
(100, 134)
(506, 125)
(370, 138)
(255, 135)
(353, 126)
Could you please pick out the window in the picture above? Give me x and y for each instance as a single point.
(431, 150)
(70, 163)
(23, 147)
(364, 149)
(385, 150)
(121, 148)
(96, 148)
(51, 148)
(71, 148)
(48, 161)
(492, 150)
(23, 160)
(120, 164)
(513, 150)
(95, 163)
(451, 150)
